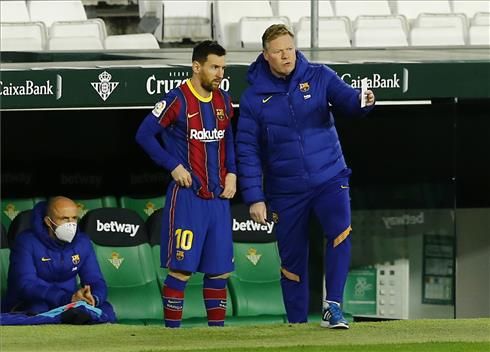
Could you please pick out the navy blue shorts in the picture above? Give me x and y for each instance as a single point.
(197, 233)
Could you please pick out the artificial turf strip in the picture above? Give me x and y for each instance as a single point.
(413, 335)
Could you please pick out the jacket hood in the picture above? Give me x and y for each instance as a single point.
(262, 80)
(41, 230)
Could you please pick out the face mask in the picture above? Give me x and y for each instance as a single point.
(66, 232)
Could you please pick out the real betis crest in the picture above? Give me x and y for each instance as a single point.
(253, 256)
(116, 260)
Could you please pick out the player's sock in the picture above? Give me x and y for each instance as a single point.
(173, 301)
(214, 293)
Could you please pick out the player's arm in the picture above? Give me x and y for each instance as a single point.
(164, 114)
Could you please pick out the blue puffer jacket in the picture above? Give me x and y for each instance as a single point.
(286, 132)
(43, 271)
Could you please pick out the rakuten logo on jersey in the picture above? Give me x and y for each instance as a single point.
(207, 136)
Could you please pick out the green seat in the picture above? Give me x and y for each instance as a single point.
(11, 207)
(85, 205)
(143, 206)
(126, 261)
(6, 221)
(255, 284)
(4, 262)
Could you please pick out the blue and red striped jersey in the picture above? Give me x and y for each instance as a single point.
(195, 132)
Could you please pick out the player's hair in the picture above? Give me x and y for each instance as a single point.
(205, 48)
(274, 31)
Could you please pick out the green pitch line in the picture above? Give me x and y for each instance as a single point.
(460, 335)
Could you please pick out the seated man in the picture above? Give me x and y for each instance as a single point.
(45, 262)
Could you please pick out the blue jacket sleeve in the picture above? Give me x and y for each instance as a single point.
(147, 138)
(248, 155)
(27, 283)
(230, 150)
(90, 274)
(343, 97)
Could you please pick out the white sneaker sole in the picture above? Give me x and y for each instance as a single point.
(326, 324)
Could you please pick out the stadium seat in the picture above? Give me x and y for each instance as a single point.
(75, 44)
(49, 11)
(194, 309)
(14, 11)
(250, 30)
(145, 207)
(21, 223)
(380, 31)
(181, 19)
(408, 9)
(4, 261)
(481, 19)
(85, 205)
(294, 10)
(123, 251)
(13, 206)
(355, 8)
(22, 36)
(470, 7)
(333, 32)
(131, 41)
(94, 27)
(255, 284)
(439, 30)
(479, 35)
(227, 15)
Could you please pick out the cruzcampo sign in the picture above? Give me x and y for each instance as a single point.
(119, 87)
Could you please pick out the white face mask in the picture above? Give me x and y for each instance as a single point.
(65, 232)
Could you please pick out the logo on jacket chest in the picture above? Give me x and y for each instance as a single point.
(75, 259)
(304, 87)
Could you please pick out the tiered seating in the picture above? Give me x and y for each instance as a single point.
(334, 32)
(22, 36)
(471, 7)
(479, 32)
(439, 30)
(131, 41)
(295, 10)
(411, 11)
(123, 251)
(49, 11)
(179, 19)
(355, 8)
(250, 30)
(228, 15)
(380, 31)
(77, 35)
(14, 11)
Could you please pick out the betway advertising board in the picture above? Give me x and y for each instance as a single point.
(143, 87)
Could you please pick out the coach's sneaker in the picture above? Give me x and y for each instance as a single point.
(332, 317)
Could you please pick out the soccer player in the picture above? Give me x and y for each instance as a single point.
(287, 139)
(194, 122)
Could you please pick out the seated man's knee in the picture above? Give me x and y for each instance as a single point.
(180, 275)
(219, 276)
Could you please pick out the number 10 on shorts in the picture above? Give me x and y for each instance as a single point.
(183, 239)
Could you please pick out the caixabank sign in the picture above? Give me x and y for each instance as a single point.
(133, 87)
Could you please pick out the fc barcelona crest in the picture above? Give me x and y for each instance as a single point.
(75, 259)
(304, 87)
(220, 114)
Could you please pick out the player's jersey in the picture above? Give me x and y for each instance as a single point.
(196, 133)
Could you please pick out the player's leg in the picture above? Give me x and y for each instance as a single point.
(332, 207)
(217, 261)
(291, 214)
(183, 226)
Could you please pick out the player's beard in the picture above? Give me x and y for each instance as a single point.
(210, 85)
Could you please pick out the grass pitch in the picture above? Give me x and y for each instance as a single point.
(461, 335)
